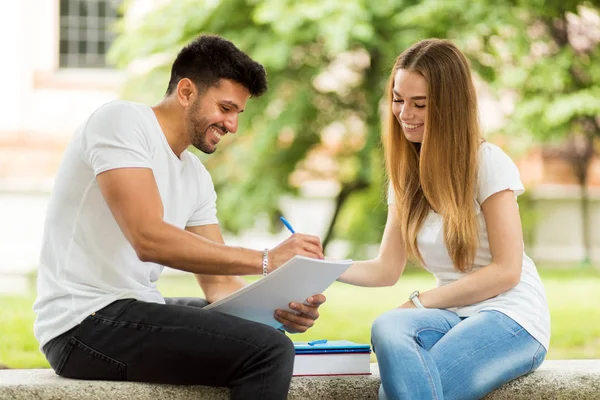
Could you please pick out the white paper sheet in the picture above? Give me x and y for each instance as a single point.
(295, 281)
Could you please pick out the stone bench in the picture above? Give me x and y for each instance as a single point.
(560, 379)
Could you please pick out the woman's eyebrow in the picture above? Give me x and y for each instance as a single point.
(412, 98)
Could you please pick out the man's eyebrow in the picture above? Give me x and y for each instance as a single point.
(412, 98)
(231, 103)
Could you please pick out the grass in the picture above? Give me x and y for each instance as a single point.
(573, 296)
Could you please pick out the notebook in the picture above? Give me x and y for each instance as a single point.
(295, 281)
(331, 346)
(338, 357)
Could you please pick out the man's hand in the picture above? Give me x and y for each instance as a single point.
(308, 314)
(297, 244)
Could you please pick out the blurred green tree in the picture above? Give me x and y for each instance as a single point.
(328, 62)
(547, 61)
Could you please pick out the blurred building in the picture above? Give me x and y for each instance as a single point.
(54, 74)
(557, 234)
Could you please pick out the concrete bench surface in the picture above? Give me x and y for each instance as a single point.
(555, 379)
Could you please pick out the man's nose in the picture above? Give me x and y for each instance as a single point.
(231, 124)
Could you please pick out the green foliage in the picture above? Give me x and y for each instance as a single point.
(546, 65)
(363, 218)
(18, 347)
(569, 107)
(328, 62)
(529, 217)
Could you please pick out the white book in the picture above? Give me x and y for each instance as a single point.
(332, 364)
(294, 281)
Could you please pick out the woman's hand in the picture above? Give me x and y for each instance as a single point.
(408, 304)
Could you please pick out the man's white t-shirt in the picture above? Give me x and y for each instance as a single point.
(86, 262)
(525, 303)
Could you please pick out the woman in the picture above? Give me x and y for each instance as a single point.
(452, 206)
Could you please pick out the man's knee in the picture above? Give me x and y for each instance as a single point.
(281, 348)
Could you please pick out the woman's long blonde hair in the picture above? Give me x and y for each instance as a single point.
(441, 172)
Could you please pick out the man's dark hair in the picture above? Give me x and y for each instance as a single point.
(209, 58)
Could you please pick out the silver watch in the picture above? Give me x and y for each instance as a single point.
(414, 297)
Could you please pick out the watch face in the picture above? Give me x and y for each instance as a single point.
(413, 294)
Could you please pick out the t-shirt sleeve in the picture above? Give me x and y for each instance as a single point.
(497, 172)
(115, 137)
(206, 210)
(391, 196)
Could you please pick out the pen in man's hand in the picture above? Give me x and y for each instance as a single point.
(287, 224)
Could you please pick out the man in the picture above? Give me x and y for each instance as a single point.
(128, 200)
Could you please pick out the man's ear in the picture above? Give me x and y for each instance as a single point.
(186, 92)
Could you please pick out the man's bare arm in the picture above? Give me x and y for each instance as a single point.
(134, 200)
(215, 287)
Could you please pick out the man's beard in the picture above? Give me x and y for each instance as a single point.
(197, 127)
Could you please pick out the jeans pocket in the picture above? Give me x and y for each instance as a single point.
(538, 358)
(83, 362)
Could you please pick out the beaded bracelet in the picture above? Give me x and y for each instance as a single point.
(265, 263)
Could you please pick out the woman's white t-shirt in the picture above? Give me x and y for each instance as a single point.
(525, 303)
(86, 262)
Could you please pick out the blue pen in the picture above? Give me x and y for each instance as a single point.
(287, 224)
(322, 341)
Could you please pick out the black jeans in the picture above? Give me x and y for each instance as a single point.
(177, 343)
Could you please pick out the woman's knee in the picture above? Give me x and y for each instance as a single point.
(425, 326)
(388, 327)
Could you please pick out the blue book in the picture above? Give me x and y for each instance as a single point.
(330, 346)
(331, 357)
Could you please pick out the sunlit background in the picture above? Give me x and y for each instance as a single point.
(310, 148)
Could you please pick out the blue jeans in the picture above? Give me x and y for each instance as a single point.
(435, 354)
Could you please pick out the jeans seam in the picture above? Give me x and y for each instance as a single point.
(418, 339)
(534, 358)
(135, 325)
(459, 359)
(507, 326)
(430, 329)
(264, 385)
(532, 361)
(429, 377)
(63, 359)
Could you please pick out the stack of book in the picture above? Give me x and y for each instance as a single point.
(333, 357)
